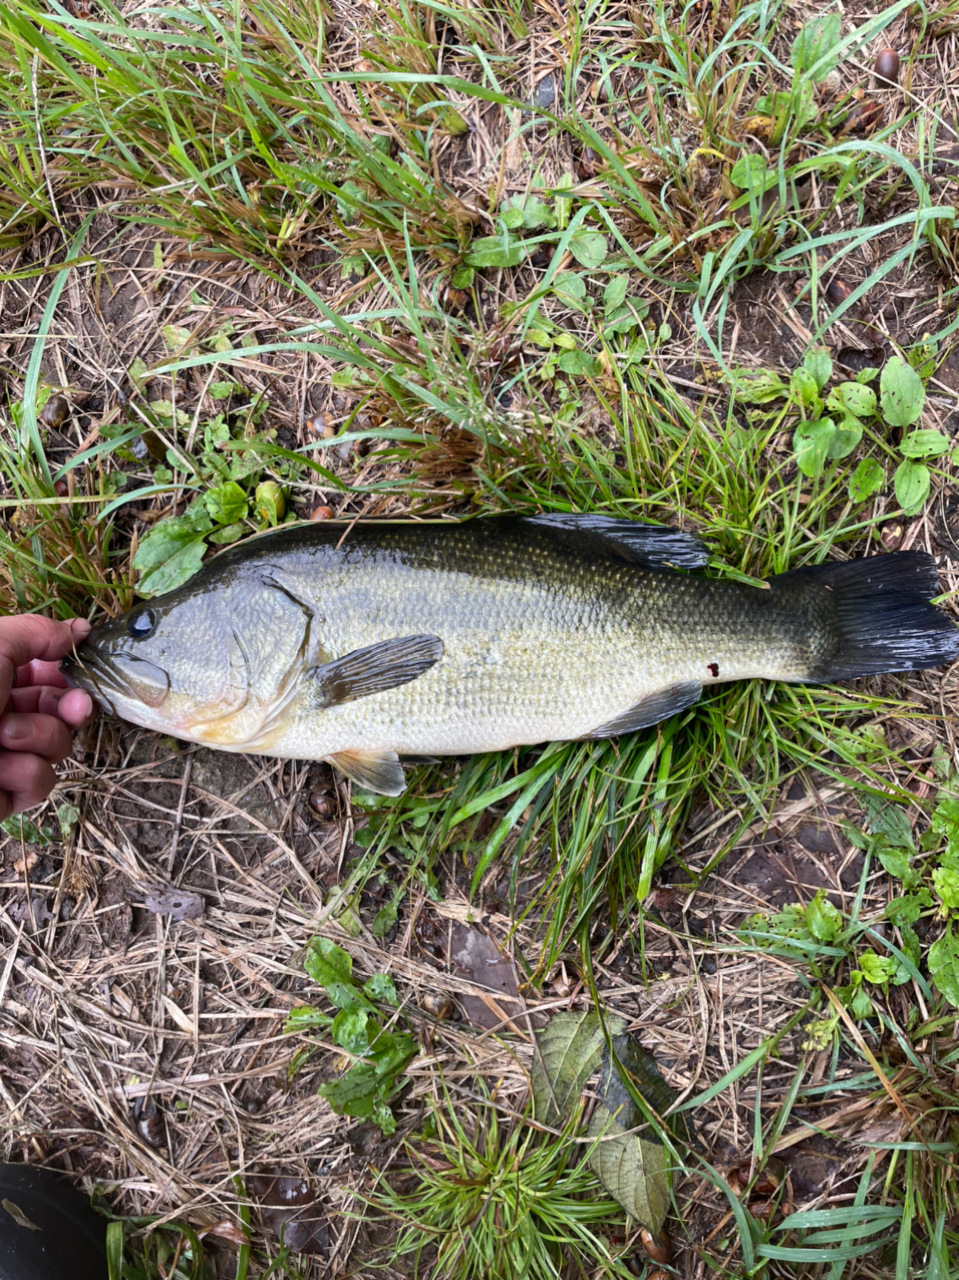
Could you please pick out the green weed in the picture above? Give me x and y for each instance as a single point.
(495, 1198)
(833, 424)
(379, 1053)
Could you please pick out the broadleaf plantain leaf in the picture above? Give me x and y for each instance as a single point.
(570, 1050)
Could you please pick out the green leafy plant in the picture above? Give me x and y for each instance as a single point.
(814, 54)
(508, 247)
(833, 422)
(146, 1248)
(493, 1199)
(378, 1053)
(627, 1152)
(929, 877)
(927, 872)
(24, 830)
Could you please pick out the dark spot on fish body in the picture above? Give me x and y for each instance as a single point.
(713, 668)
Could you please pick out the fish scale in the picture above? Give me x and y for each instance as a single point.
(362, 643)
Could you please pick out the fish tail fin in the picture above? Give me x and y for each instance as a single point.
(884, 619)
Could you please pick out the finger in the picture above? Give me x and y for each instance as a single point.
(26, 636)
(40, 673)
(36, 735)
(25, 780)
(76, 708)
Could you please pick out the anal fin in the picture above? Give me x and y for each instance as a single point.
(378, 771)
(658, 706)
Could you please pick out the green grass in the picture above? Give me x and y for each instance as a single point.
(500, 349)
(494, 1198)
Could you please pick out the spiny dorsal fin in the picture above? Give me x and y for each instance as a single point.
(654, 545)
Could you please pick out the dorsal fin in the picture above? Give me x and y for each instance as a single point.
(656, 546)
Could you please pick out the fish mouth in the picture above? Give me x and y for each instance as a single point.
(109, 676)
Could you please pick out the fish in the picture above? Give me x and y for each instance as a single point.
(361, 644)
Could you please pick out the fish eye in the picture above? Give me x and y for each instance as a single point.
(142, 623)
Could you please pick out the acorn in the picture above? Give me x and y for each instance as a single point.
(588, 164)
(892, 535)
(837, 291)
(321, 803)
(149, 1121)
(831, 86)
(55, 412)
(321, 424)
(61, 489)
(865, 117)
(887, 68)
(437, 1004)
(770, 1178)
(659, 1248)
(455, 299)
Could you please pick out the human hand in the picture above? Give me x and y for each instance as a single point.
(38, 712)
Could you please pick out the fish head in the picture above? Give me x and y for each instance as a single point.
(212, 662)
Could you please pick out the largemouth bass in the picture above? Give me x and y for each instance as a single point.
(360, 644)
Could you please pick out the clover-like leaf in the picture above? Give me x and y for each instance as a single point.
(760, 388)
(496, 251)
(171, 552)
(811, 442)
(326, 963)
(818, 364)
(854, 398)
(751, 173)
(924, 443)
(815, 50)
(589, 248)
(943, 961)
(847, 436)
(227, 503)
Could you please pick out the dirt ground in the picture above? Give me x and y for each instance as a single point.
(152, 952)
(152, 957)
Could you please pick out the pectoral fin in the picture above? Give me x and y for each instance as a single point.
(658, 706)
(376, 771)
(371, 670)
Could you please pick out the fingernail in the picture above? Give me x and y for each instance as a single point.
(15, 727)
